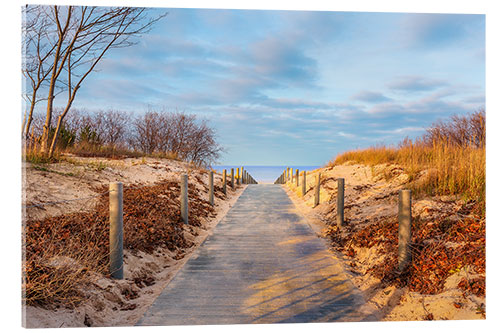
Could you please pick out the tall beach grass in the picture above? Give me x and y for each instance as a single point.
(436, 163)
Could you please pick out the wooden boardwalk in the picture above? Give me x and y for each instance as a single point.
(262, 264)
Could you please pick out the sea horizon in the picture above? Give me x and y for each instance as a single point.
(264, 173)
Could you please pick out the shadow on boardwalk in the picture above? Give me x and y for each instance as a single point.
(263, 264)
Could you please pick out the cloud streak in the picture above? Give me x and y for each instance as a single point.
(415, 84)
(370, 97)
(282, 84)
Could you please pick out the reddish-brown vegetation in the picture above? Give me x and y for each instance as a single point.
(440, 247)
(60, 251)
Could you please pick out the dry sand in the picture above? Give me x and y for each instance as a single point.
(107, 303)
(368, 195)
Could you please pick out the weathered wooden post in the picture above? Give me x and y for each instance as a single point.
(116, 230)
(316, 190)
(297, 177)
(211, 188)
(304, 183)
(241, 175)
(232, 178)
(237, 176)
(340, 202)
(224, 182)
(184, 198)
(404, 239)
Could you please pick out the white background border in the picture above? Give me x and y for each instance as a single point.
(11, 108)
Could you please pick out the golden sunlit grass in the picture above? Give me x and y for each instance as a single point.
(450, 169)
(438, 167)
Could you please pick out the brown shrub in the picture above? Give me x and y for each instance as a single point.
(60, 251)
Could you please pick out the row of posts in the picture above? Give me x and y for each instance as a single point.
(116, 211)
(404, 211)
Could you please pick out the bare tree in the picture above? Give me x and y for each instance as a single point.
(114, 126)
(203, 147)
(465, 130)
(80, 39)
(182, 127)
(37, 49)
(178, 133)
(478, 128)
(147, 132)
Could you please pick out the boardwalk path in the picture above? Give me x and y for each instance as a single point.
(263, 264)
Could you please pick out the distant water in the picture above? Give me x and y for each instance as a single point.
(264, 174)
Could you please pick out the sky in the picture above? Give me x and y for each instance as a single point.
(298, 87)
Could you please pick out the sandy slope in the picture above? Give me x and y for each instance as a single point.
(107, 303)
(368, 196)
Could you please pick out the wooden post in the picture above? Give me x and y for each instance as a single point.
(184, 198)
(297, 177)
(224, 182)
(304, 183)
(404, 239)
(211, 188)
(116, 230)
(237, 176)
(340, 202)
(316, 190)
(232, 178)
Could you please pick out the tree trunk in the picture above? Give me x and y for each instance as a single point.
(27, 122)
(59, 124)
(44, 143)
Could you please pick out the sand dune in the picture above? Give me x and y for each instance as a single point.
(370, 198)
(108, 301)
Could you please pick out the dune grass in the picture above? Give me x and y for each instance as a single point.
(450, 169)
(437, 167)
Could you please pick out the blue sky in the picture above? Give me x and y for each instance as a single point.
(299, 87)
